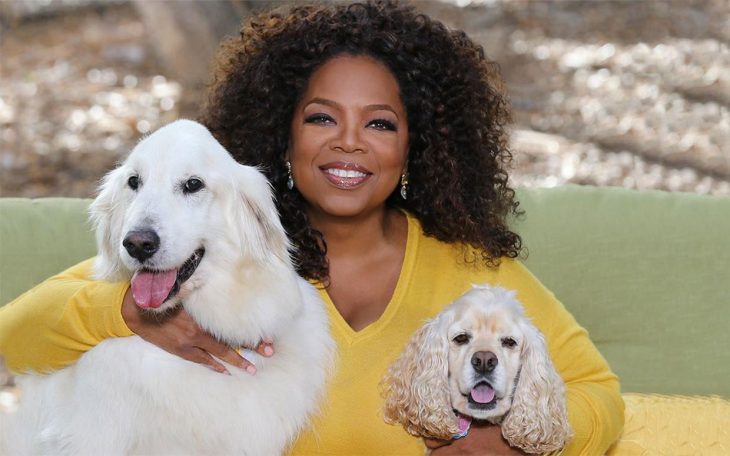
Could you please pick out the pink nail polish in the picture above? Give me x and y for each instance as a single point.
(251, 370)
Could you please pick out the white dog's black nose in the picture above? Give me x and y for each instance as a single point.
(141, 244)
(484, 362)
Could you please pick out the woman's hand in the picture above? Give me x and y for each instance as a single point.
(482, 439)
(179, 334)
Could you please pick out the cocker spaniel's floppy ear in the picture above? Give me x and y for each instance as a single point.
(253, 213)
(107, 216)
(537, 422)
(416, 389)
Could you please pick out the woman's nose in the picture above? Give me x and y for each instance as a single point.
(349, 138)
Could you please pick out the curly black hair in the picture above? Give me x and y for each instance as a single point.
(455, 105)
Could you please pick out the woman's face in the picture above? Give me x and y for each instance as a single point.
(349, 137)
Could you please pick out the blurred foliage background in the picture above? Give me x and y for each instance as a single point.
(625, 93)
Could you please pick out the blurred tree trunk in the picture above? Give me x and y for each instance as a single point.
(184, 35)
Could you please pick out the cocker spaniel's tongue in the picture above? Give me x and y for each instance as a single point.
(464, 422)
(150, 289)
(482, 394)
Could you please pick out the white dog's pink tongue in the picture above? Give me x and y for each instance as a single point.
(150, 289)
(482, 394)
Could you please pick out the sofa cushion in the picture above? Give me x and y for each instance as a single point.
(676, 425)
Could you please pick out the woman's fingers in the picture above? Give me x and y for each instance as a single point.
(176, 333)
(200, 356)
(265, 347)
(179, 334)
(209, 344)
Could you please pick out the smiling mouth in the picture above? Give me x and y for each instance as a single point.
(151, 288)
(482, 396)
(345, 175)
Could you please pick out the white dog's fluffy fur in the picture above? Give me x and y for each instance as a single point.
(126, 396)
(437, 375)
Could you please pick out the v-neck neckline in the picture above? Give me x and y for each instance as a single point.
(343, 327)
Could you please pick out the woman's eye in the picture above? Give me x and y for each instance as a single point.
(192, 185)
(319, 118)
(133, 182)
(461, 339)
(382, 124)
(509, 342)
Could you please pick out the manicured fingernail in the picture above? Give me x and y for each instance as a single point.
(251, 369)
(268, 351)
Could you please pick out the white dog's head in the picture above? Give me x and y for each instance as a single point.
(178, 204)
(482, 359)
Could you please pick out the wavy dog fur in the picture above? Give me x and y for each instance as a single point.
(433, 376)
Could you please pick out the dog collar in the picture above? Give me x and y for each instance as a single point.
(464, 425)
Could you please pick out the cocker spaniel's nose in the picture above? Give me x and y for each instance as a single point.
(484, 362)
(141, 244)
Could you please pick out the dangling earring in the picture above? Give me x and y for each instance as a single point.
(404, 185)
(290, 178)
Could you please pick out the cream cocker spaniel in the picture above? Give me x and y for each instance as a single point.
(481, 359)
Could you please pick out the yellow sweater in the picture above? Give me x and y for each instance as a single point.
(52, 325)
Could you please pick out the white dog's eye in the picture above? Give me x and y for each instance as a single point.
(133, 182)
(508, 342)
(461, 339)
(193, 185)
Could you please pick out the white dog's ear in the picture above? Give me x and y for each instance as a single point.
(416, 388)
(255, 218)
(107, 216)
(537, 422)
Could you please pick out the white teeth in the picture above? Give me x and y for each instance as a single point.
(344, 173)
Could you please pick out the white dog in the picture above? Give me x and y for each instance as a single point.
(479, 359)
(189, 226)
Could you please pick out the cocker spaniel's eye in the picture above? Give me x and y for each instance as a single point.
(133, 182)
(193, 185)
(508, 342)
(461, 339)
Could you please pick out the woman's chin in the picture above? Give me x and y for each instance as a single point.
(346, 204)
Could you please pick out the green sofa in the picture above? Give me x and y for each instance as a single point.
(647, 273)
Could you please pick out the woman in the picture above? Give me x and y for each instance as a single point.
(383, 136)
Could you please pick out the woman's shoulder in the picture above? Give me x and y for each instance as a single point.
(442, 255)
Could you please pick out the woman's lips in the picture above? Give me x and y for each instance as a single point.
(345, 175)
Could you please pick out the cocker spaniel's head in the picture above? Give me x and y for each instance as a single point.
(479, 359)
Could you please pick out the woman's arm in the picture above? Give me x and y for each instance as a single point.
(595, 406)
(52, 325)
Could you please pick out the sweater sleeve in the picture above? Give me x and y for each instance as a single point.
(53, 324)
(595, 406)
